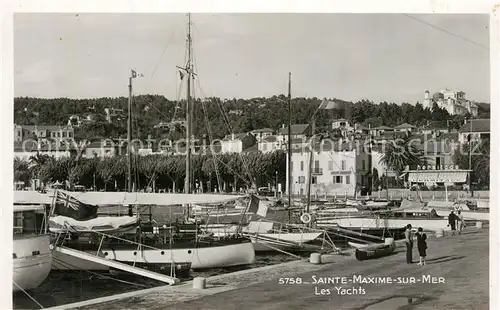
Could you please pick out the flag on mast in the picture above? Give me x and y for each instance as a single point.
(67, 205)
(135, 74)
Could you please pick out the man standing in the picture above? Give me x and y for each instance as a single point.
(409, 243)
(452, 222)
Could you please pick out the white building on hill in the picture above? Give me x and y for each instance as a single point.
(453, 101)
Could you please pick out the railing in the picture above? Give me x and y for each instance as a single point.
(317, 171)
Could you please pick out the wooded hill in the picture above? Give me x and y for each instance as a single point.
(240, 115)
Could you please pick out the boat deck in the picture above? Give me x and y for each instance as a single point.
(461, 260)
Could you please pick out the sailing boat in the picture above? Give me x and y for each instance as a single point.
(150, 246)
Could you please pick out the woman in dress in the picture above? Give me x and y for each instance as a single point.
(421, 245)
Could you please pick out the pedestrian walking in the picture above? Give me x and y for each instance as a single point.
(452, 222)
(461, 222)
(409, 244)
(421, 245)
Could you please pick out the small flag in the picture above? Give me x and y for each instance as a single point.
(67, 205)
(135, 75)
(329, 105)
(181, 74)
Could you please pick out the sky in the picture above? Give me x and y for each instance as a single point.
(380, 57)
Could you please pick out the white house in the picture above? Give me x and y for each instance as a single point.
(236, 143)
(477, 129)
(298, 131)
(405, 127)
(262, 133)
(343, 125)
(337, 170)
(452, 101)
(274, 143)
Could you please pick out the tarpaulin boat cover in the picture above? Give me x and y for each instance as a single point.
(99, 224)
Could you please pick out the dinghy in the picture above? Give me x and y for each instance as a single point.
(374, 251)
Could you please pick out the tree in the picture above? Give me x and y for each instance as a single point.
(480, 161)
(400, 153)
(108, 168)
(21, 170)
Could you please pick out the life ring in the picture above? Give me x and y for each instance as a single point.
(306, 218)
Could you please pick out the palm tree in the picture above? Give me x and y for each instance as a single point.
(399, 153)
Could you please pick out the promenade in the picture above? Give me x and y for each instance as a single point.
(460, 263)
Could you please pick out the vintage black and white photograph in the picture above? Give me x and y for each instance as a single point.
(251, 160)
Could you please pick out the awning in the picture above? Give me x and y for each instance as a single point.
(438, 177)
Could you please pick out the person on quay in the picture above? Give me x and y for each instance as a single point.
(421, 245)
(461, 222)
(409, 244)
(452, 222)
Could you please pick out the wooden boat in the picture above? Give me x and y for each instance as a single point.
(374, 251)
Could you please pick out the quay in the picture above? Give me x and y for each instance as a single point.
(460, 265)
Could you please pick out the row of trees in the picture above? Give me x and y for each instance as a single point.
(240, 115)
(156, 171)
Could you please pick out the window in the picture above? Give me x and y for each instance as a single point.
(264, 146)
(70, 134)
(58, 134)
(343, 165)
(302, 179)
(347, 179)
(18, 133)
(64, 134)
(330, 165)
(337, 179)
(363, 166)
(316, 164)
(314, 180)
(302, 166)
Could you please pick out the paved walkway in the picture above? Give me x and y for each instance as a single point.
(461, 261)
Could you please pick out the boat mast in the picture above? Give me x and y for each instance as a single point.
(189, 111)
(289, 168)
(129, 135)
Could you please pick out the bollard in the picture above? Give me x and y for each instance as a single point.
(199, 283)
(315, 258)
(439, 233)
(388, 241)
(479, 225)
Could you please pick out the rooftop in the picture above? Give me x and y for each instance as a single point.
(404, 126)
(296, 129)
(262, 130)
(476, 125)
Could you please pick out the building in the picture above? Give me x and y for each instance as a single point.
(298, 131)
(476, 129)
(452, 101)
(274, 143)
(381, 130)
(105, 148)
(262, 133)
(435, 128)
(113, 114)
(26, 149)
(236, 143)
(343, 126)
(54, 133)
(405, 127)
(439, 153)
(337, 169)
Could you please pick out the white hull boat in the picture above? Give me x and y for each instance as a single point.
(32, 262)
(468, 215)
(32, 255)
(227, 254)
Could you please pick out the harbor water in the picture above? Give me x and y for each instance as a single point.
(68, 287)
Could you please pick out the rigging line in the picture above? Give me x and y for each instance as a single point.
(161, 57)
(245, 166)
(234, 172)
(26, 293)
(210, 138)
(447, 31)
